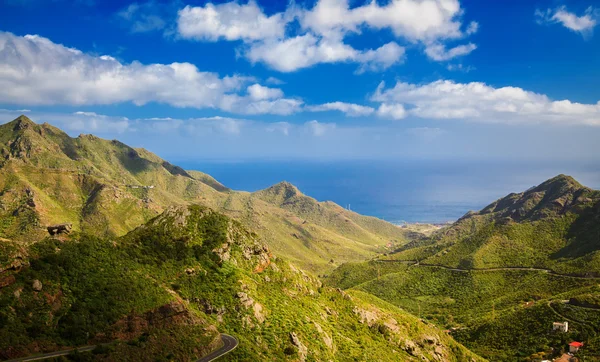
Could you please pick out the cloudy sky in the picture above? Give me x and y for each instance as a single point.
(325, 79)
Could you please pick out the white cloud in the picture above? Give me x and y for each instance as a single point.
(259, 92)
(438, 51)
(350, 109)
(319, 129)
(230, 21)
(480, 102)
(583, 24)
(36, 71)
(304, 51)
(320, 36)
(381, 58)
(410, 19)
(392, 111)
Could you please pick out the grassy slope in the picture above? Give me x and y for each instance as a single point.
(87, 181)
(97, 290)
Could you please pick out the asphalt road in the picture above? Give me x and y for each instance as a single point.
(229, 344)
(65, 352)
(544, 270)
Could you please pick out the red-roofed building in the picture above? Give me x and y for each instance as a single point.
(574, 346)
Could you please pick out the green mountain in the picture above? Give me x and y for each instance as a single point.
(499, 278)
(555, 225)
(166, 289)
(106, 188)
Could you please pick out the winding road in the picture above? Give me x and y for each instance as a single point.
(229, 344)
(544, 270)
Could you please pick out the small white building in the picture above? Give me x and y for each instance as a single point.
(560, 326)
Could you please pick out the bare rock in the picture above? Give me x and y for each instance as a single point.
(258, 312)
(37, 285)
(245, 299)
(302, 350)
(326, 338)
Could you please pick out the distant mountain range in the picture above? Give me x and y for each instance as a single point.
(107, 188)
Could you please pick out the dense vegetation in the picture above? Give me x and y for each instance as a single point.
(186, 275)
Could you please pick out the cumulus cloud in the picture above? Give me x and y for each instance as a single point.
(36, 71)
(480, 102)
(303, 51)
(259, 92)
(410, 19)
(350, 109)
(392, 111)
(319, 38)
(583, 24)
(229, 21)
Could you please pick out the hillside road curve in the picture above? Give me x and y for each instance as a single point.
(229, 344)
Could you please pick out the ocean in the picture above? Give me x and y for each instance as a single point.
(398, 191)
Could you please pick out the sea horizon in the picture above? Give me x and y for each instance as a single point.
(432, 192)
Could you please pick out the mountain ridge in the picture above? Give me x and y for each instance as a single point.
(105, 187)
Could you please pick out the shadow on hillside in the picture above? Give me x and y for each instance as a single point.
(584, 235)
(131, 160)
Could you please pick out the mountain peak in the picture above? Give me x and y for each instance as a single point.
(279, 193)
(557, 183)
(552, 197)
(285, 188)
(21, 122)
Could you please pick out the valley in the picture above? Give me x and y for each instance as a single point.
(154, 253)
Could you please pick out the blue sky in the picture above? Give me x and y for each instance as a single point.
(327, 79)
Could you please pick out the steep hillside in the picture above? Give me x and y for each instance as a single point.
(555, 225)
(107, 188)
(166, 289)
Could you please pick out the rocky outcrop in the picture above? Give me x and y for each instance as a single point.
(302, 350)
(59, 229)
(37, 285)
(250, 303)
